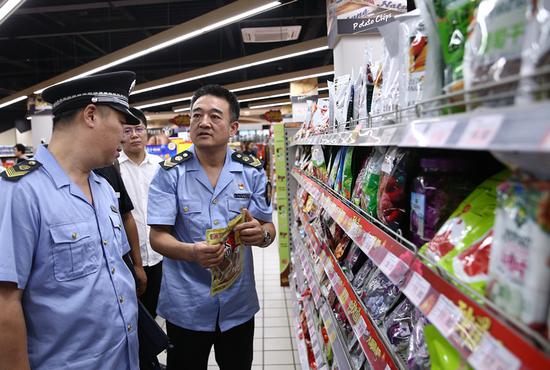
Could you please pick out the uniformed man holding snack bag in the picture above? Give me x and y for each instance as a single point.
(207, 206)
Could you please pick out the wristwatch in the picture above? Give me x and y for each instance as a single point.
(267, 238)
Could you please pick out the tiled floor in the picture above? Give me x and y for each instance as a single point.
(274, 348)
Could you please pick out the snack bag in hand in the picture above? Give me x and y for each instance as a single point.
(225, 274)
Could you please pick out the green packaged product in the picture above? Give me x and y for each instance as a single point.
(347, 174)
(519, 271)
(443, 356)
(453, 18)
(369, 199)
(462, 245)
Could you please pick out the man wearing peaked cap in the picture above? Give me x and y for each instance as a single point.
(68, 300)
(110, 89)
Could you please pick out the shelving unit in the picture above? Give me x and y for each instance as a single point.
(502, 129)
(506, 116)
(458, 317)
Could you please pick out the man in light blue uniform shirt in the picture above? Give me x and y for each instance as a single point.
(206, 187)
(67, 299)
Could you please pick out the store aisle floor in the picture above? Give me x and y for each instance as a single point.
(274, 348)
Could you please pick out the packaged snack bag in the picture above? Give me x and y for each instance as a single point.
(398, 327)
(320, 119)
(347, 174)
(343, 90)
(357, 193)
(519, 269)
(493, 50)
(418, 357)
(536, 51)
(360, 96)
(393, 192)
(443, 356)
(414, 42)
(379, 295)
(436, 192)
(224, 275)
(353, 261)
(468, 227)
(340, 175)
(388, 99)
(334, 168)
(319, 165)
(369, 199)
(452, 18)
(362, 275)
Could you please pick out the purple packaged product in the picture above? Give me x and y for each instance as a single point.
(379, 295)
(398, 326)
(436, 192)
(354, 259)
(418, 357)
(362, 275)
(357, 356)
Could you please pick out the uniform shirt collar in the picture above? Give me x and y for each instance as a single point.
(148, 158)
(50, 164)
(194, 165)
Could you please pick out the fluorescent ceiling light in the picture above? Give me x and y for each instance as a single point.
(173, 41)
(13, 101)
(164, 102)
(283, 81)
(269, 105)
(182, 109)
(8, 7)
(226, 70)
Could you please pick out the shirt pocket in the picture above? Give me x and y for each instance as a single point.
(116, 222)
(73, 251)
(235, 206)
(193, 220)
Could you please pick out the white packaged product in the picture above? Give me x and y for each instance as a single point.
(321, 117)
(387, 100)
(343, 93)
(360, 97)
(494, 46)
(536, 52)
(519, 268)
(420, 54)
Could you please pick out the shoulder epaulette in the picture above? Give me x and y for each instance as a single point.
(20, 169)
(249, 160)
(177, 159)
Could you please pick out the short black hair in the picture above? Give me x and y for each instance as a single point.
(220, 92)
(20, 148)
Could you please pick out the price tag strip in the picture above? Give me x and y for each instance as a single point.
(377, 354)
(423, 286)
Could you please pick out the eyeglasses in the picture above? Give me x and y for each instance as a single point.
(128, 131)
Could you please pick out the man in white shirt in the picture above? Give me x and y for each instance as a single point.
(138, 168)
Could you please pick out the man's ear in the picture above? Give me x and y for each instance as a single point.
(90, 114)
(234, 127)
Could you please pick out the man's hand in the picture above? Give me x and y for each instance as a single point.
(252, 232)
(208, 255)
(141, 280)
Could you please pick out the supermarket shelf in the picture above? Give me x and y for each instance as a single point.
(316, 337)
(335, 337)
(376, 350)
(502, 129)
(302, 350)
(300, 342)
(481, 336)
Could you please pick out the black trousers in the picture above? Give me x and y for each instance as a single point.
(151, 296)
(190, 351)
